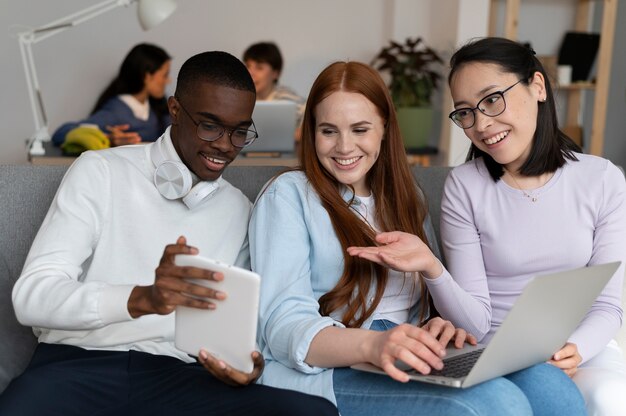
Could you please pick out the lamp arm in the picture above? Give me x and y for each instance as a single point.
(27, 39)
(31, 81)
(74, 19)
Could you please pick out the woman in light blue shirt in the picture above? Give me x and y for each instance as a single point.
(322, 310)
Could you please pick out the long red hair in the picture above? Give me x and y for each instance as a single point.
(399, 205)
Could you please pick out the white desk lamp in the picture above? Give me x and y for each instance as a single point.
(149, 12)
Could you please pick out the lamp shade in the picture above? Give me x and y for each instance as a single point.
(152, 12)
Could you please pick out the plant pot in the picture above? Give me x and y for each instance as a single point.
(415, 125)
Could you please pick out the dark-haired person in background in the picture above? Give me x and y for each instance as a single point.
(265, 63)
(100, 284)
(133, 108)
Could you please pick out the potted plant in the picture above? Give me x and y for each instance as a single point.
(414, 77)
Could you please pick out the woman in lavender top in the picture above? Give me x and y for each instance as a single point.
(527, 202)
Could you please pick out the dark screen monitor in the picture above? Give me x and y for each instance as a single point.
(579, 50)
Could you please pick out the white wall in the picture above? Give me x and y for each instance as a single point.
(74, 66)
(472, 20)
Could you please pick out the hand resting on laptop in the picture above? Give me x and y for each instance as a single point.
(420, 348)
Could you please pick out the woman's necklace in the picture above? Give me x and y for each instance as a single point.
(530, 196)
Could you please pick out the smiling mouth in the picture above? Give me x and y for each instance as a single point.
(347, 162)
(495, 139)
(214, 162)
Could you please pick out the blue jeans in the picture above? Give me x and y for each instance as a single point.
(539, 390)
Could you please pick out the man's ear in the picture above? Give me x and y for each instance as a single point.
(174, 109)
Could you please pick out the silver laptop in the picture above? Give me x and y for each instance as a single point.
(539, 324)
(275, 122)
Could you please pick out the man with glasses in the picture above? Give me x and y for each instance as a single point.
(100, 284)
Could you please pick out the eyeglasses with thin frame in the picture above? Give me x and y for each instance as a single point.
(492, 105)
(210, 131)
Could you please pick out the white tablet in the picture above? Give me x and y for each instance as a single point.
(228, 332)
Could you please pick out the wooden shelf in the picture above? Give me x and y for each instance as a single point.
(577, 86)
(575, 90)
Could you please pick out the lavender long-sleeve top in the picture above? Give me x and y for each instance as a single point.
(496, 239)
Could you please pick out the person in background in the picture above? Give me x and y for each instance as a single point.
(265, 63)
(527, 202)
(323, 310)
(133, 108)
(100, 284)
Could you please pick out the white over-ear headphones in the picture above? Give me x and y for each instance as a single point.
(173, 179)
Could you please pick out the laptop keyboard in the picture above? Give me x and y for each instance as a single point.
(458, 366)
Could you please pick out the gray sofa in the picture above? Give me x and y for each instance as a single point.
(25, 194)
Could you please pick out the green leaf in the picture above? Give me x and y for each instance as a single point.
(414, 69)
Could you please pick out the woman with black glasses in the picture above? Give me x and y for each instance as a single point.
(528, 202)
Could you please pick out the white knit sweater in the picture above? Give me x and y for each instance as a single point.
(105, 233)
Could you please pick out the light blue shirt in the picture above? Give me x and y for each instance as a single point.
(294, 248)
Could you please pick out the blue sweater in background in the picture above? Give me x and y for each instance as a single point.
(115, 112)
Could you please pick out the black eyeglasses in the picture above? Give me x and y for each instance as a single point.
(210, 131)
(491, 106)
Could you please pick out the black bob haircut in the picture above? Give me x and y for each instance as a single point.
(550, 146)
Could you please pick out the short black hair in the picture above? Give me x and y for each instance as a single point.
(214, 67)
(550, 146)
(266, 52)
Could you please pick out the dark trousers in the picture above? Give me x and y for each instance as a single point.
(66, 380)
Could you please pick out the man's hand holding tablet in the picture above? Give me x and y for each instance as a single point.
(227, 331)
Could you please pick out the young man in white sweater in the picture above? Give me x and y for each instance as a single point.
(99, 285)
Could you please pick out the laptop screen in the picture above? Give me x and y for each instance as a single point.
(275, 122)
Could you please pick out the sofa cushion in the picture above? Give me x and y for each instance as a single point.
(431, 180)
(25, 195)
(250, 179)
